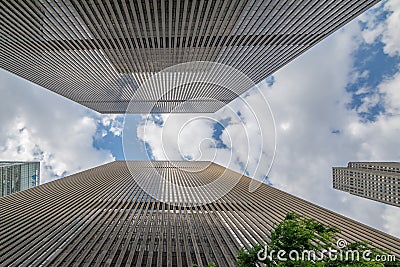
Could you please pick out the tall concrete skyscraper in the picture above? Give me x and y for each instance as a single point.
(379, 181)
(16, 176)
(102, 54)
(152, 214)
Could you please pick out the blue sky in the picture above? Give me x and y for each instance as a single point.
(338, 102)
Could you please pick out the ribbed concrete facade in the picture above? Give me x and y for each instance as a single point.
(379, 181)
(102, 217)
(16, 176)
(99, 53)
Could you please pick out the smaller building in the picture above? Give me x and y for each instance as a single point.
(17, 176)
(378, 181)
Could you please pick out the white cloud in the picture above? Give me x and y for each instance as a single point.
(390, 89)
(388, 30)
(392, 219)
(239, 147)
(113, 122)
(391, 35)
(184, 136)
(368, 102)
(40, 125)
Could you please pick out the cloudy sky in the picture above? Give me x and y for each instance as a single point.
(336, 103)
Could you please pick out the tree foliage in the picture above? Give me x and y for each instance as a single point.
(297, 233)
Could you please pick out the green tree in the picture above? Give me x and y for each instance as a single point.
(298, 233)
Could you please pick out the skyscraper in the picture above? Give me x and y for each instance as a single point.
(379, 181)
(101, 53)
(103, 217)
(16, 176)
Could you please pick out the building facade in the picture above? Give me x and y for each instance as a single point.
(103, 217)
(379, 181)
(101, 54)
(17, 176)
